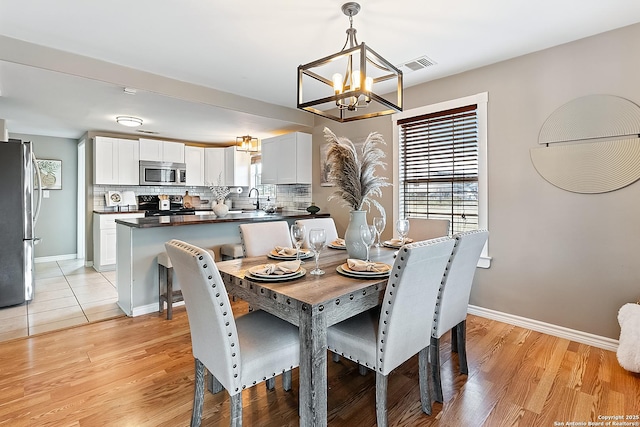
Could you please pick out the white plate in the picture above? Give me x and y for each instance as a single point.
(276, 278)
(395, 244)
(346, 268)
(360, 275)
(255, 271)
(332, 246)
(303, 255)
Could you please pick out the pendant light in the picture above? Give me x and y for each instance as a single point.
(247, 143)
(344, 83)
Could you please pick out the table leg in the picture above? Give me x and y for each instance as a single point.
(313, 368)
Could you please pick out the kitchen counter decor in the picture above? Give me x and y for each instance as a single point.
(220, 192)
(353, 174)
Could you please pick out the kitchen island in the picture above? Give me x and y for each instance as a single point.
(140, 240)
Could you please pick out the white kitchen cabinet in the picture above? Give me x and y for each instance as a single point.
(104, 239)
(194, 159)
(237, 167)
(161, 151)
(286, 159)
(213, 165)
(116, 161)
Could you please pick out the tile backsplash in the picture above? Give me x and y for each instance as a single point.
(291, 197)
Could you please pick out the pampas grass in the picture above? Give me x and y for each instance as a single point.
(354, 175)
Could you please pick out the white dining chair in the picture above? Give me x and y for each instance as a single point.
(238, 352)
(258, 238)
(428, 228)
(328, 224)
(383, 338)
(453, 301)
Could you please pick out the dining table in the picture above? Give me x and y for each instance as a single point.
(313, 303)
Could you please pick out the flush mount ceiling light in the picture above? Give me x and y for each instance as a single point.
(344, 82)
(247, 143)
(129, 121)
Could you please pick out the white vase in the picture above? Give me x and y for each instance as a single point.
(220, 209)
(355, 248)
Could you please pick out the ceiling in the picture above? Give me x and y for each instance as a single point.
(211, 58)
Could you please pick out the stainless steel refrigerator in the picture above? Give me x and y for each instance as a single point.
(18, 216)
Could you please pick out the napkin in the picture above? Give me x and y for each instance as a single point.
(399, 241)
(283, 250)
(338, 242)
(284, 267)
(361, 265)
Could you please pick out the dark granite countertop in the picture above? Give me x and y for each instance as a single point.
(179, 220)
(110, 212)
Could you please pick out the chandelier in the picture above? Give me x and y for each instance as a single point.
(343, 83)
(247, 143)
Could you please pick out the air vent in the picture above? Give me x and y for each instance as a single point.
(418, 63)
(147, 132)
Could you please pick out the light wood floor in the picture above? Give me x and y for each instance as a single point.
(139, 372)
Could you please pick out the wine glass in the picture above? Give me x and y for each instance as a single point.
(298, 233)
(379, 223)
(402, 226)
(317, 238)
(368, 235)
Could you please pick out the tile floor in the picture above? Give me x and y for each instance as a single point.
(67, 294)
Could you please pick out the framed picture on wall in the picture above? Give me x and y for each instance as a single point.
(324, 166)
(51, 174)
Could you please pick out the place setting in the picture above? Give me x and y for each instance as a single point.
(366, 269)
(337, 244)
(285, 253)
(402, 227)
(282, 271)
(362, 269)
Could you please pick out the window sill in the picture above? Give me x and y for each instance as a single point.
(484, 262)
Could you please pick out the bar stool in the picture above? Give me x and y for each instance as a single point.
(166, 292)
(231, 251)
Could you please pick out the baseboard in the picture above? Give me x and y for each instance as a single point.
(55, 258)
(546, 328)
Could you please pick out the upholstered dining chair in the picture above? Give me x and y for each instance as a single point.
(385, 337)
(427, 228)
(238, 352)
(258, 238)
(453, 300)
(328, 224)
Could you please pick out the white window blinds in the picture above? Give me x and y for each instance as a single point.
(438, 167)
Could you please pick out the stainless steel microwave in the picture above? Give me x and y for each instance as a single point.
(162, 173)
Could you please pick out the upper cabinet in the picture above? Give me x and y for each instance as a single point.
(194, 159)
(237, 167)
(116, 161)
(161, 151)
(213, 165)
(286, 159)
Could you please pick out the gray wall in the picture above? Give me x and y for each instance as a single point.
(558, 257)
(58, 216)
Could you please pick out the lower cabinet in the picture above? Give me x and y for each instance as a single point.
(104, 239)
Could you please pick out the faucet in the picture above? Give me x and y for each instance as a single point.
(257, 203)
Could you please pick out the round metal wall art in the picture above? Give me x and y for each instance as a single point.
(590, 145)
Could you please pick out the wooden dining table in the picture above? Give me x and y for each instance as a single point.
(313, 303)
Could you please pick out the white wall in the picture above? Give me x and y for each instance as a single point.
(558, 257)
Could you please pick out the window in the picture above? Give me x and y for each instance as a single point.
(256, 178)
(440, 153)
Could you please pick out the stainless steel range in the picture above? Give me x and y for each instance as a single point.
(151, 205)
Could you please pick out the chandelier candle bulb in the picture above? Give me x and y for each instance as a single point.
(337, 83)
